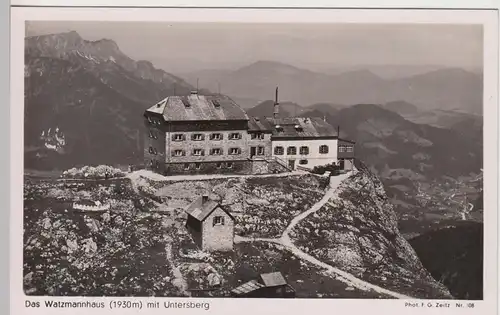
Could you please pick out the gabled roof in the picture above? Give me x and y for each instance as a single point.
(301, 127)
(197, 107)
(201, 210)
(272, 279)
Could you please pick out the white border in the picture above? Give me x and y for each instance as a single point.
(264, 306)
(267, 3)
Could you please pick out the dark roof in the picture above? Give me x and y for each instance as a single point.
(272, 279)
(247, 287)
(197, 107)
(301, 127)
(257, 124)
(201, 210)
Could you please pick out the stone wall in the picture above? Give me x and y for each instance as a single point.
(218, 237)
(238, 167)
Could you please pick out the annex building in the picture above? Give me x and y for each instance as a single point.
(201, 134)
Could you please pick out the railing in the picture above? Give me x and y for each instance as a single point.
(281, 162)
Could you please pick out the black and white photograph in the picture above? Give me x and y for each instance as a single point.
(253, 160)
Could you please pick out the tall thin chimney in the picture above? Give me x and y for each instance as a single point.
(338, 131)
(276, 105)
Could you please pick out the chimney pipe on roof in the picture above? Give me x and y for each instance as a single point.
(338, 131)
(276, 105)
(204, 198)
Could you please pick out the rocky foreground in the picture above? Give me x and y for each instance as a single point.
(140, 247)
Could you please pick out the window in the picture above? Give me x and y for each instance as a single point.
(153, 150)
(291, 150)
(153, 134)
(323, 149)
(198, 166)
(216, 151)
(342, 148)
(257, 135)
(235, 136)
(349, 148)
(304, 150)
(234, 151)
(216, 136)
(218, 220)
(303, 162)
(279, 151)
(198, 152)
(197, 137)
(229, 165)
(178, 153)
(218, 165)
(260, 151)
(186, 166)
(178, 137)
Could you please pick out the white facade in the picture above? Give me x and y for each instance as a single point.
(314, 156)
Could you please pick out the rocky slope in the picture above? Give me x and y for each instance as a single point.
(358, 232)
(420, 165)
(72, 253)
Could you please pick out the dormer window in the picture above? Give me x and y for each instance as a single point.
(298, 127)
(186, 103)
(216, 103)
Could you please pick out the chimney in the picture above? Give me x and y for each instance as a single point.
(204, 198)
(338, 131)
(276, 106)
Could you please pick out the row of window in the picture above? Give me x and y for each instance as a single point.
(201, 137)
(201, 152)
(346, 148)
(323, 149)
(213, 151)
(197, 166)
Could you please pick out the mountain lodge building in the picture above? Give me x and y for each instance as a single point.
(203, 134)
(211, 225)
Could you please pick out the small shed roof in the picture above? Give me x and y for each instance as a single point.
(273, 279)
(200, 209)
(247, 287)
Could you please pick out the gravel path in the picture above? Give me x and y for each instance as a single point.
(339, 274)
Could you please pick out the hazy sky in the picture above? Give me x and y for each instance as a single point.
(184, 47)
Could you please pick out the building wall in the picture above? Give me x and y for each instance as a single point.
(218, 237)
(266, 143)
(314, 158)
(188, 145)
(346, 153)
(154, 146)
(211, 167)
